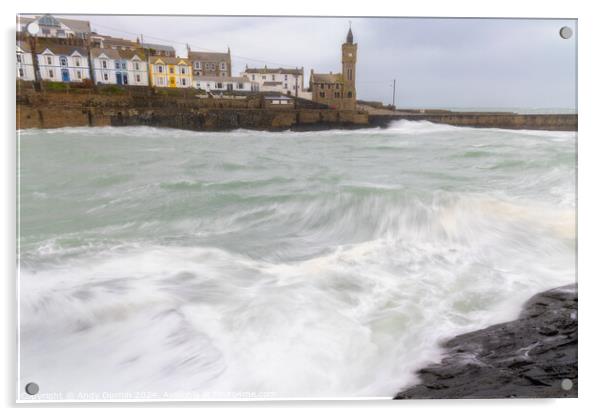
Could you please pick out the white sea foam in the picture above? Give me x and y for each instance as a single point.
(281, 264)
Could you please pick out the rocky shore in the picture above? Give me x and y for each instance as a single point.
(534, 356)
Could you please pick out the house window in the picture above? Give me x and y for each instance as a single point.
(197, 65)
(183, 70)
(63, 61)
(183, 81)
(49, 60)
(106, 77)
(253, 77)
(273, 77)
(60, 33)
(51, 73)
(240, 86)
(223, 66)
(219, 85)
(337, 86)
(19, 58)
(285, 77)
(171, 69)
(285, 85)
(337, 95)
(322, 94)
(104, 64)
(322, 86)
(78, 74)
(21, 73)
(136, 66)
(77, 63)
(349, 72)
(263, 77)
(137, 77)
(160, 68)
(349, 94)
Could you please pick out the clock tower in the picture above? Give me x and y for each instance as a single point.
(349, 58)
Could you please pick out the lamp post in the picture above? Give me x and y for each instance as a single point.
(32, 30)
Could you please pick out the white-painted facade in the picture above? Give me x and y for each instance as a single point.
(24, 64)
(120, 68)
(282, 80)
(223, 84)
(69, 66)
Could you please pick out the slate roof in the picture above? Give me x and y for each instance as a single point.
(326, 78)
(221, 79)
(59, 49)
(266, 70)
(169, 60)
(158, 47)
(208, 56)
(117, 54)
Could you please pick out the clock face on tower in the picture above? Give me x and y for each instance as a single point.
(350, 54)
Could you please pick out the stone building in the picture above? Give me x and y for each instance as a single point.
(337, 90)
(211, 64)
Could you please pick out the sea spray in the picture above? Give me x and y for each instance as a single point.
(286, 264)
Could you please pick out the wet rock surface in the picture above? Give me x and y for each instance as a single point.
(534, 356)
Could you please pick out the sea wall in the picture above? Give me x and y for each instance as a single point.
(53, 109)
(183, 109)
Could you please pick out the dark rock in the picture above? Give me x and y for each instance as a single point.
(525, 358)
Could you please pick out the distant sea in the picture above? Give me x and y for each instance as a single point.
(160, 262)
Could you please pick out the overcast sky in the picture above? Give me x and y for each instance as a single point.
(488, 63)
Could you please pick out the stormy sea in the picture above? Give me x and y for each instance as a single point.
(160, 263)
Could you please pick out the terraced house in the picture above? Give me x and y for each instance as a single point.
(119, 66)
(63, 63)
(170, 72)
(24, 62)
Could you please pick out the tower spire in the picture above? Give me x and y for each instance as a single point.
(350, 34)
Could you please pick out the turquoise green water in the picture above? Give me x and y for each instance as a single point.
(285, 264)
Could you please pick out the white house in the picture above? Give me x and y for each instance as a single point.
(282, 80)
(222, 84)
(121, 67)
(24, 62)
(63, 63)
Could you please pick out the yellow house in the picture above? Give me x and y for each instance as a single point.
(170, 72)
